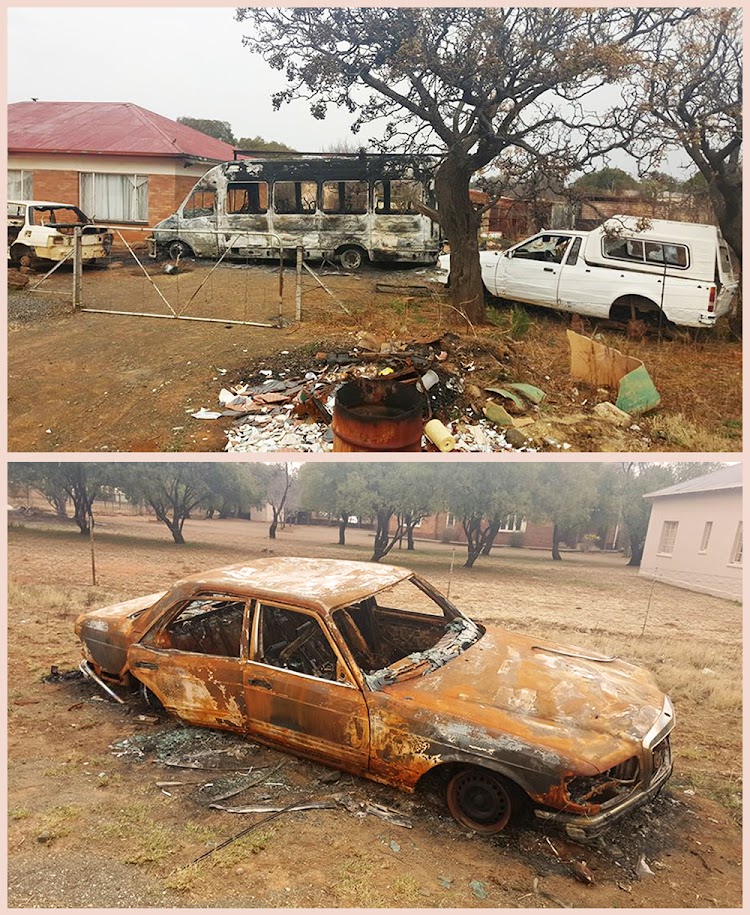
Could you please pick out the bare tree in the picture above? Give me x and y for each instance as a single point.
(471, 85)
(692, 87)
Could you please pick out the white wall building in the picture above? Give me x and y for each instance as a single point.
(694, 537)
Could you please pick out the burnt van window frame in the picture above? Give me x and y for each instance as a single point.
(252, 205)
(384, 192)
(206, 197)
(305, 198)
(644, 245)
(341, 208)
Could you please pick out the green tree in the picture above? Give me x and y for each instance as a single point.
(326, 487)
(261, 145)
(280, 484)
(569, 496)
(609, 180)
(235, 490)
(81, 482)
(44, 479)
(219, 130)
(483, 495)
(172, 489)
(472, 85)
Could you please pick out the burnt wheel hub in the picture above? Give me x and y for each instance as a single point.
(479, 800)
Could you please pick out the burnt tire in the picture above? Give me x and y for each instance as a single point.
(480, 799)
(21, 255)
(179, 249)
(351, 258)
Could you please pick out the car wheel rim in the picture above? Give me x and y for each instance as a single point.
(479, 800)
(351, 259)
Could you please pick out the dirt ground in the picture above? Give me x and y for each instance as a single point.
(103, 382)
(85, 809)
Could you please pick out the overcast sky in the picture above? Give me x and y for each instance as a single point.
(176, 62)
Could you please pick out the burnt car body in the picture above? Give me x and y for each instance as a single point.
(369, 669)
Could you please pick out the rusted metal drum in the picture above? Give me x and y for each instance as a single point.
(373, 414)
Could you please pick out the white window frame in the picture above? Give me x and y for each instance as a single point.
(512, 524)
(668, 538)
(707, 528)
(26, 179)
(450, 520)
(134, 208)
(735, 558)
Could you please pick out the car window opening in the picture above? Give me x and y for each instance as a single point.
(295, 641)
(391, 642)
(206, 626)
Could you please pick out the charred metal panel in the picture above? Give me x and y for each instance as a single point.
(325, 719)
(205, 690)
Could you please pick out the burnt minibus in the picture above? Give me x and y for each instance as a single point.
(348, 208)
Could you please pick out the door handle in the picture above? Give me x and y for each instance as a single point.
(263, 684)
(147, 665)
(548, 270)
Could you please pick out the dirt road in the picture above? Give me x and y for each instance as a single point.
(89, 826)
(103, 382)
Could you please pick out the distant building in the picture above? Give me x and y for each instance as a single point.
(694, 537)
(120, 163)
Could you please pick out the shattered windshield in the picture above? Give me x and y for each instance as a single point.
(404, 631)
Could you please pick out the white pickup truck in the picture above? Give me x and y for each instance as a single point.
(626, 267)
(45, 230)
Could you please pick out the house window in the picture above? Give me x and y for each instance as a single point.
(513, 524)
(20, 184)
(450, 520)
(114, 198)
(668, 535)
(736, 558)
(706, 536)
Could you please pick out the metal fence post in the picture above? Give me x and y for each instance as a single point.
(298, 308)
(77, 267)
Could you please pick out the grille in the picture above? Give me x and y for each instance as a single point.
(661, 756)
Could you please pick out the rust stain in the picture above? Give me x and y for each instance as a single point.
(311, 656)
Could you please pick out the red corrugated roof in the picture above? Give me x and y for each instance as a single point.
(105, 128)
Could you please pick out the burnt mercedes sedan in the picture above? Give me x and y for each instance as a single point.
(369, 669)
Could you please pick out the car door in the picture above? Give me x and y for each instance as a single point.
(530, 272)
(194, 657)
(300, 694)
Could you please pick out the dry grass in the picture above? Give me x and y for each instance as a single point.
(680, 434)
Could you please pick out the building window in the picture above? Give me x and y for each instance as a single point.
(668, 535)
(706, 536)
(736, 558)
(513, 524)
(450, 520)
(20, 184)
(114, 198)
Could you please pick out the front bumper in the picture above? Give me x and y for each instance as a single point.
(581, 828)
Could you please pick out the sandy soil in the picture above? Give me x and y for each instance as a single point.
(104, 834)
(101, 382)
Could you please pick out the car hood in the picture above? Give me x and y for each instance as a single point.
(541, 691)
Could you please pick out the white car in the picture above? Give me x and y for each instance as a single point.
(43, 229)
(625, 268)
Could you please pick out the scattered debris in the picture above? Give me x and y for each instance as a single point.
(256, 808)
(394, 846)
(642, 869)
(602, 365)
(478, 889)
(612, 414)
(582, 873)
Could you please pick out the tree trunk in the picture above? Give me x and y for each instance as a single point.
(176, 528)
(460, 223)
(384, 543)
(342, 529)
(274, 525)
(725, 193)
(556, 543)
(490, 537)
(474, 543)
(636, 553)
(410, 536)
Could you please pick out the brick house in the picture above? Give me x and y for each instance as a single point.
(122, 164)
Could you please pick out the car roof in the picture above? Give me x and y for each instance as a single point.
(316, 584)
(42, 203)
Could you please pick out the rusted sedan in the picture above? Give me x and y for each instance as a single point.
(369, 669)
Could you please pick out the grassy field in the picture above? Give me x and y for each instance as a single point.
(67, 788)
